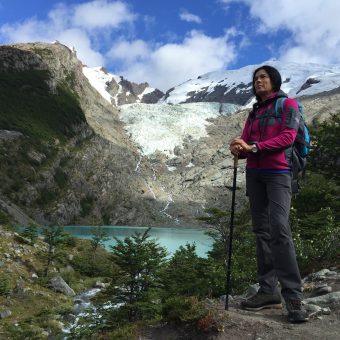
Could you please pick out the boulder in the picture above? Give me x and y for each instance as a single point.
(59, 285)
(5, 313)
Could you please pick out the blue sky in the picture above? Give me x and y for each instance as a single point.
(168, 42)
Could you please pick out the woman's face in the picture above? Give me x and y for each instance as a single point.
(262, 84)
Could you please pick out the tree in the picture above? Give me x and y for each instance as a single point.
(315, 221)
(325, 154)
(243, 257)
(54, 236)
(186, 274)
(95, 261)
(98, 238)
(137, 286)
(31, 232)
(315, 216)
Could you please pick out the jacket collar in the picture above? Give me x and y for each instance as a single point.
(272, 98)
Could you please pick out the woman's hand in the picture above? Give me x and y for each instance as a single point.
(238, 146)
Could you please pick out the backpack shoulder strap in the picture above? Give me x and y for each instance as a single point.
(279, 105)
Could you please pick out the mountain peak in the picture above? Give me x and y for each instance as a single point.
(235, 86)
(117, 90)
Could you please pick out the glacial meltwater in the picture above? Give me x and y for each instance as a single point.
(170, 238)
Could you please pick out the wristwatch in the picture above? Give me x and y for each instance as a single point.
(254, 148)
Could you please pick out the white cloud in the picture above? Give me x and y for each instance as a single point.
(80, 26)
(314, 26)
(82, 43)
(129, 51)
(102, 13)
(170, 64)
(186, 16)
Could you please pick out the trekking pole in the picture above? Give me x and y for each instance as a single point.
(231, 229)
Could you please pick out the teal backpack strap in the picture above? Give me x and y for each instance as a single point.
(279, 105)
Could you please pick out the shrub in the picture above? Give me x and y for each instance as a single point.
(31, 232)
(5, 287)
(183, 309)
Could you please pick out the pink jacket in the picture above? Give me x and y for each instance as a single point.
(272, 134)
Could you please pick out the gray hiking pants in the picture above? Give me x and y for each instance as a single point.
(270, 198)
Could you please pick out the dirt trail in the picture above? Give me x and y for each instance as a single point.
(273, 324)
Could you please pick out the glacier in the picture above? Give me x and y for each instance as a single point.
(162, 127)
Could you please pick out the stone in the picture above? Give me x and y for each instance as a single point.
(311, 309)
(223, 297)
(320, 275)
(326, 311)
(59, 285)
(19, 289)
(99, 284)
(322, 290)
(5, 313)
(324, 300)
(252, 290)
(331, 273)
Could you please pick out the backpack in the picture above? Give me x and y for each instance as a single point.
(301, 144)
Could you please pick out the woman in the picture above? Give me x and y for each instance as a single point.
(266, 142)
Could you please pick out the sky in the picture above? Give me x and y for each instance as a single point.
(166, 42)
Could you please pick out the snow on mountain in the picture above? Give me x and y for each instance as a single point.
(99, 79)
(118, 91)
(235, 86)
(159, 127)
(162, 127)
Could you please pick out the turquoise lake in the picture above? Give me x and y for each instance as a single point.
(170, 238)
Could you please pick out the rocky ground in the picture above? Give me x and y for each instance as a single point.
(321, 298)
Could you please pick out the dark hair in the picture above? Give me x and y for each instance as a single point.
(274, 75)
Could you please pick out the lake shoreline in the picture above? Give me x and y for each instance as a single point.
(171, 238)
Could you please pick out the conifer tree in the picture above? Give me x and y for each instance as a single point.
(54, 236)
(137, 286)
(186, 274)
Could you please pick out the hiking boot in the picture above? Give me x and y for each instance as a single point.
(262, 300)
(296, 311)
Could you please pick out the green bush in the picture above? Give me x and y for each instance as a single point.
(5, 287)
(182, 309)
(70, 241)
(31, 232)
(93, 266)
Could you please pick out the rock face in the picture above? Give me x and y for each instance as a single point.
(127, 92)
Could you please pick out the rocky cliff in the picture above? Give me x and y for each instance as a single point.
(67, 170)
